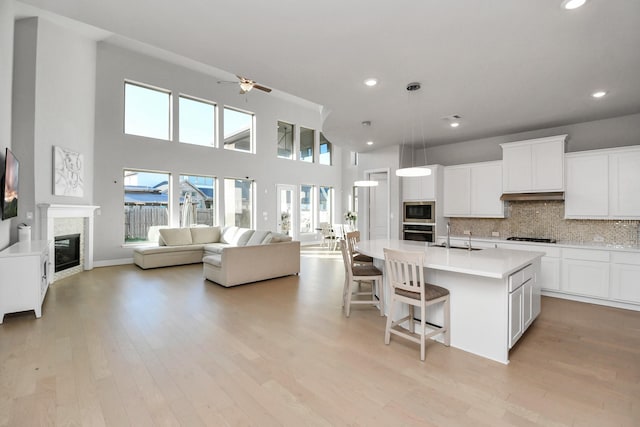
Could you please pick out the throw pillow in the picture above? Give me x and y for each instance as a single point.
(176, 236)
(201, 235)
(259, 237)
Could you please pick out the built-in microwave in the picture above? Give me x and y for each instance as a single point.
(421, 212)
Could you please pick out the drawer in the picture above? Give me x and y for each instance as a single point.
(520, 277)
(625, 258)
(585, 255)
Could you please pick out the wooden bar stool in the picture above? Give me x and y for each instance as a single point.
(355, 275)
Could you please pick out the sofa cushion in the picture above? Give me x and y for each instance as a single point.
(279, 238)
(213, 260)
(205, 234)
(236, 236)
(259, 237)
(150, 250)
(176, 236)
(215, 248)
(153, 235)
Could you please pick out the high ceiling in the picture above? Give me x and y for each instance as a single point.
(504, 66)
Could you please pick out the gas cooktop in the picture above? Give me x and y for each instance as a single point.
(532, 239)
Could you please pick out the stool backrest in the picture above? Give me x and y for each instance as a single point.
(405, 270)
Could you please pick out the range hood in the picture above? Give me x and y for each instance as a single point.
(530, 197)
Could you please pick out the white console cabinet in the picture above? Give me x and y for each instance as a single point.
(24, 277)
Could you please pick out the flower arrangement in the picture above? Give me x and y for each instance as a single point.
(285, 217)
(351, 218)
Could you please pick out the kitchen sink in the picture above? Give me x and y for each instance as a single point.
(457, 247)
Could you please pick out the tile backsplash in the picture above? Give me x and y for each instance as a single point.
(545, 219)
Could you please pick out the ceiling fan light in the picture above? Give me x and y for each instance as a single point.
(414, 171)
(365, 184)
(246, 86)
(572, 4)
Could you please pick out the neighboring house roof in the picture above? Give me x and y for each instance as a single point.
(142, 198)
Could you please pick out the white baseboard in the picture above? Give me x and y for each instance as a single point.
(580, 298)
(112, 262)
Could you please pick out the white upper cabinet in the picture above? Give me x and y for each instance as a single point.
(473, 190)
(422, 187)
(535, 165)
(624, 184)
(603, 184)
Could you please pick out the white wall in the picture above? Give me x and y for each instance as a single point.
(6, 72)
(115, 151)
(54, 105)
(606, 133)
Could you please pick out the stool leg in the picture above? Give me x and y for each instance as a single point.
(447, 322)
(387, 329)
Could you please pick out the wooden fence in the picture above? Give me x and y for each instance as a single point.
(138, 219)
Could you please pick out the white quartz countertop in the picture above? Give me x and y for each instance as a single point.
(493, 263)
(31, 247)
(559, 244)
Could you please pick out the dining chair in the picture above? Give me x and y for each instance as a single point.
(353, 237)
(329, 236)
(405, 275)
(355, 277)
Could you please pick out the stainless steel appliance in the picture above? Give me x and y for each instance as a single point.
(420, 212)
(418, 232)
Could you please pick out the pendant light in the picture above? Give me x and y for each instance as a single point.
(413, 170)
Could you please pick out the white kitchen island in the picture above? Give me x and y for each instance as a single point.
(494, 292)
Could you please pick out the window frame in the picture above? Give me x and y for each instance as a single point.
(153, 88)
(330, 152)
(313, 145)
(169, 205)
(252, 131)
(294, 127)
(216, 197)
(252, 192)
(216, 124)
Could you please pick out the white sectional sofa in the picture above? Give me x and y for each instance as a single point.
(230, 255)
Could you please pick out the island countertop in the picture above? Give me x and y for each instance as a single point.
(492, 262)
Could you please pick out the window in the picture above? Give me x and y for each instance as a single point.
(306, 209)
(307, 137)
(325, 204)
(238, 202)
(197, 123)
(325, 151)
(238, 130)
(285, 140)
(146, 203)
(147, 112)
(197, 200)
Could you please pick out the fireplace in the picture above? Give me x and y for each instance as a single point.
(67, 251)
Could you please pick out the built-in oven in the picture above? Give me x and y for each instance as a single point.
(420, 212)
(418, 232)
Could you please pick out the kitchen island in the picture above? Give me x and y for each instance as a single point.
(494, 292)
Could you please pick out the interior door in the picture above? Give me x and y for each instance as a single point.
(286, 217)
(379, 206)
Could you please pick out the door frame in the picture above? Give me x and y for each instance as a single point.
(295, 208)
(366, 202)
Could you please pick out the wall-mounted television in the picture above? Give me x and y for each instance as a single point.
(9, 186)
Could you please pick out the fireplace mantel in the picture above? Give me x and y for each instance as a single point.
(48, 212)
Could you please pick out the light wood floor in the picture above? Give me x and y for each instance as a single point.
(121, 346)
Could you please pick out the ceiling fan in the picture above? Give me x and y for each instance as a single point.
(247, 84)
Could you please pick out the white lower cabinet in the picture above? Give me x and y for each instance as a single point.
(625, 277)
(524, 302)
(586, 272)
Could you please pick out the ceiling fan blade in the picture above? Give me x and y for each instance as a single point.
(262, 88)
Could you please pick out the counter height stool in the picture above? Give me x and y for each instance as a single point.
(353, 237)
(355, 275)
(405, 274)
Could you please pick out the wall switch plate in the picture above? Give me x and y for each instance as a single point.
(29, 215)
(467, 232)
(495, 234)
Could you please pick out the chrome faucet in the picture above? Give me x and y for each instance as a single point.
(448, 234)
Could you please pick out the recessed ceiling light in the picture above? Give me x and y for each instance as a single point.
(369, 142)
(599, 94)
(572, 4)
(371, 82)
(454, 124)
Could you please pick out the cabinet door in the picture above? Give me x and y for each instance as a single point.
(486, 189)
(547, 166)
(515, 316)
(527, 304)
(589, 278)
(516, 169)
(624, 169)
(456, 191)
(626, 283)
(549, 273)
(419, 188)
(587, 192)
